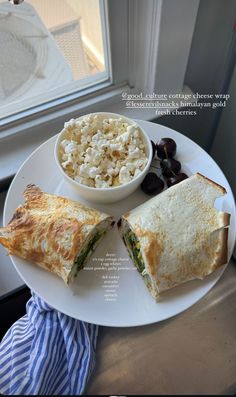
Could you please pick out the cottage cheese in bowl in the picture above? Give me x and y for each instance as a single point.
(103, 151)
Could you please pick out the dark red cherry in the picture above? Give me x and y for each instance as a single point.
(173, 180)
(152, 184)
(166, 148)
(170, 167)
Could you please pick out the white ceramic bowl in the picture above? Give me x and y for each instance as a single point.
(111, 194)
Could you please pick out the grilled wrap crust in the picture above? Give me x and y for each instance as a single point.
(50, 230)
(181, 235)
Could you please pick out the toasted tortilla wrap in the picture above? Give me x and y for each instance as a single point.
(178, 235)
(54, 232)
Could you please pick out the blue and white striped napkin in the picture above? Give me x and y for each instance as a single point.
(47, 353)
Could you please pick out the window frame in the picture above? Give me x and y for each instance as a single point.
(61, 95)
(137, 56)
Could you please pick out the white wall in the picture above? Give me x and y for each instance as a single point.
(211, 40)
(224, 148)
(206, 66)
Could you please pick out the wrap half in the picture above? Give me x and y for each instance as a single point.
(54, 232)
(178, 235)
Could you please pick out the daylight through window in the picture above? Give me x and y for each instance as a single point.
(49, 49)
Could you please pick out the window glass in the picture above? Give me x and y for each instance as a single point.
(49, 48)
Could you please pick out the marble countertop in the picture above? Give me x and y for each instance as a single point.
(192, 353)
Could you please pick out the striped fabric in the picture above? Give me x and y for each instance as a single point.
(47, 353)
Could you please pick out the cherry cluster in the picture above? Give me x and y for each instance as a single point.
(165, 149)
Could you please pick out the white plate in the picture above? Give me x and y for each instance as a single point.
(85, 299)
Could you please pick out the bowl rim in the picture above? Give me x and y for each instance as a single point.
(104, 189)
